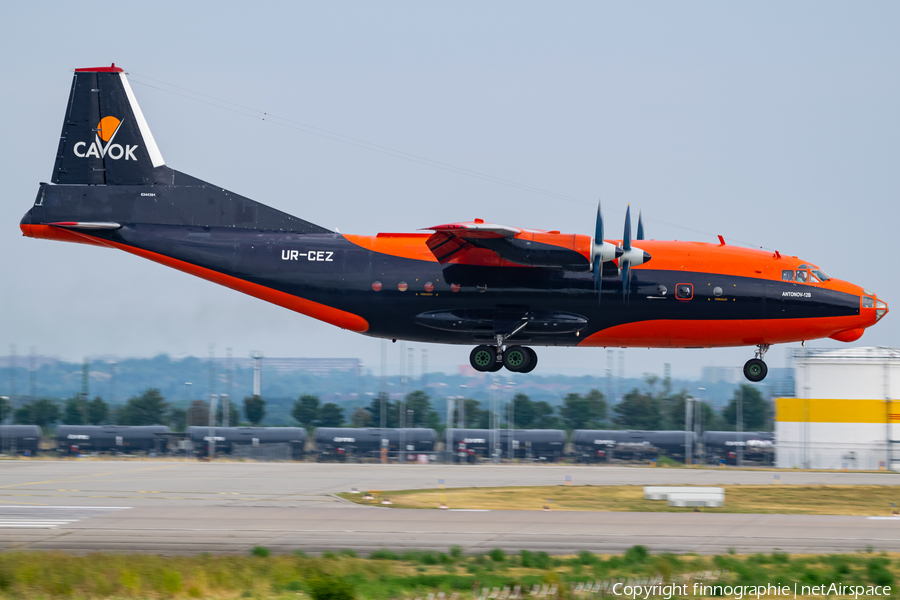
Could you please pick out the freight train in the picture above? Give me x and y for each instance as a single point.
(756, 446)
(20, 439)
(461, 445)
(341, 443)
(227, 438)
(76, 439)
(469, 445)
(603, 445)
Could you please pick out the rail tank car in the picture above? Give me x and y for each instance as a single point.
(593, 445)
(468, 445)
(227, 438)
(758, 446)
(20, 439)
(111, 438)
(338, 443)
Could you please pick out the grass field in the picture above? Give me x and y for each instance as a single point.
(385, 575)
(785, 499)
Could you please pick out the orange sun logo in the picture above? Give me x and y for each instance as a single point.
(107, 127)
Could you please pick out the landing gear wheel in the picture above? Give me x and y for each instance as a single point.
(483, 358)
(533, 356)
(497, 366)
(755, 370)
(516, 359)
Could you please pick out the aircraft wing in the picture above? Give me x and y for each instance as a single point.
(491, 245)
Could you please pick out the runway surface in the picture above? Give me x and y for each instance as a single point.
(187, 507)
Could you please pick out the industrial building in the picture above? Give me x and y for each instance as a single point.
(845, 413)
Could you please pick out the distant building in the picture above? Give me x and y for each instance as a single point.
(845, 413)
(319, 366)
(722, 374)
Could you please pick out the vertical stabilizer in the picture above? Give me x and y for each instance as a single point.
(105, 139)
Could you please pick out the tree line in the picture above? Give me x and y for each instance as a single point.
(147, 408)
(654, 407)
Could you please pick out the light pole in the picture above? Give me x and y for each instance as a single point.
(688, 445)
(4, 401)
(510, 420)
(698, 425)
(187, 388)
(212, 425)
(740, 427)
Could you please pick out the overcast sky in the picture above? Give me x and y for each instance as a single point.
(774, 124)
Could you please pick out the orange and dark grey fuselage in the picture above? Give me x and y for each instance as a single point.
(463, 283)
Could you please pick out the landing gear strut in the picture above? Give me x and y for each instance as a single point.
(755, 369)
(518, 359)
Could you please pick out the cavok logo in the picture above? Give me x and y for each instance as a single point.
(106, 132)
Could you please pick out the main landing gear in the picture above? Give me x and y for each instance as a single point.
(489, 359)
(755, 369)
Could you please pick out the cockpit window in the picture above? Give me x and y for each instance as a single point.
(801, 276)
(868, 302)
(802, 267)
(813, 278)
(787, 275)
(822, 275)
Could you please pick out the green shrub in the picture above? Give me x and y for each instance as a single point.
(261, 551)
(497, 555)
(877, 572)
(349, 553)
(329, 555)
(384, 554)
(636, 554)
(171, 582)
(535, 560)
(456, 552)
(586, 558)
(326, 587)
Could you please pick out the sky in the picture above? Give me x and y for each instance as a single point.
(773, 124)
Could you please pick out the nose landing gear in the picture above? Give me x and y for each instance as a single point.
(489, 359)
(755, 369)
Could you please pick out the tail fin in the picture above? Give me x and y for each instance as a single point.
(105, 139)
(105, 143)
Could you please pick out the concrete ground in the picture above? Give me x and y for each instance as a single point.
(187, 507)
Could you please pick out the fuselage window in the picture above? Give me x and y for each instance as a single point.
(813, 278)
(801, 276)
(787, 275)
(822, 275)
(684, 291)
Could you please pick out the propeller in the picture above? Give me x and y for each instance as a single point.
(602, 251)
(631, 256)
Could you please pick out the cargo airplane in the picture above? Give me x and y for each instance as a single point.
(502, 289)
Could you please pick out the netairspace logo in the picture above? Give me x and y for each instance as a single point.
(672, 590)
(107, 129)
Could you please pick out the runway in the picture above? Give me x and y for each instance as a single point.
(187, 507)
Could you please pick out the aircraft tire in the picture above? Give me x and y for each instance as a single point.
(534, 360)
(483, 358)
(755, 370)
(516, 359)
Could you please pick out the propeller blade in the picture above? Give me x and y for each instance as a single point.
(598, 229)
(598, 281)
(626, 239)
(640, 232)
(626, 281)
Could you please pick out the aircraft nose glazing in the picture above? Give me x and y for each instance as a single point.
(881, 309)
